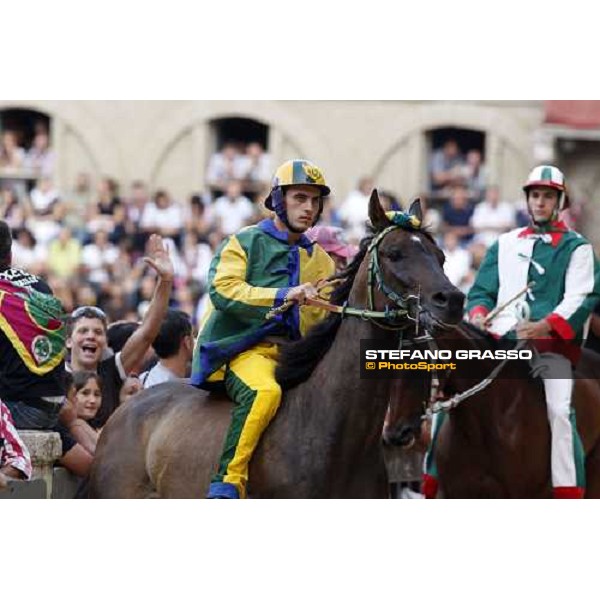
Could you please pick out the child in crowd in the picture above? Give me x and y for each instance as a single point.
(84, 398)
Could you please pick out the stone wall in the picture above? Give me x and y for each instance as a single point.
(45, 448)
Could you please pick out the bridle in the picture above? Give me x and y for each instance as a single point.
(397, 318)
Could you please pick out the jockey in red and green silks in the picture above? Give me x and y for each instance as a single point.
(562, 266)
(258, 269)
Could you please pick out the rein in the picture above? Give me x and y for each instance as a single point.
(387, 318)
(436, 406)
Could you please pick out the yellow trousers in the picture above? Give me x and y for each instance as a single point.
(250, 383)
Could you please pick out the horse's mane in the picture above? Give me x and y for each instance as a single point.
(299, 359)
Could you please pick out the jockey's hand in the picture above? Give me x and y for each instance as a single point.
(300, 293)
(529, 330)
(480, 322)
(158, 258)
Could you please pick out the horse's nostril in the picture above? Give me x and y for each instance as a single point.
(440, 299)
(452, 300)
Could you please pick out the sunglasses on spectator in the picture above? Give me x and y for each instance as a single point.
(89, 312)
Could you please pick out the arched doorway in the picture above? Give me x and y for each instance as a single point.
(238, 151)
(465, 166)
(25, 148)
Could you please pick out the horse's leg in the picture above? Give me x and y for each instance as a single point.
(587, 409)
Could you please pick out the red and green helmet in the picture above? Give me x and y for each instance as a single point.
(548, 176)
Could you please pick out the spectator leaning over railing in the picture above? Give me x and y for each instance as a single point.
(39, 159)
(12, 155)
(255, 167)
(446, 167)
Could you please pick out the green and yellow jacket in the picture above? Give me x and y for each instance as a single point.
(251, 274)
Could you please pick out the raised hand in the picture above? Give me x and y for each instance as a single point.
(158, 258)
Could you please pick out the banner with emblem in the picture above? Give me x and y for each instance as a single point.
(34, 323)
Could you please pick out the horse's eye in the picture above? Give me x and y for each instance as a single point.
(393, 254)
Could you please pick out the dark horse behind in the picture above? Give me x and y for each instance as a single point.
(496, 444)
(325, 441)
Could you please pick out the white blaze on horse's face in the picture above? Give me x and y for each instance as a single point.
(416, 238)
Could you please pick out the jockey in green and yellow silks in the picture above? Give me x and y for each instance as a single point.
(254, 271)
(561, 265)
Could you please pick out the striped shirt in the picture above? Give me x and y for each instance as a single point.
(13, 451)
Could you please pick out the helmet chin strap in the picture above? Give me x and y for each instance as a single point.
(553, 217)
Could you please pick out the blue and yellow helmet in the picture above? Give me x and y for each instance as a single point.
(297, 172)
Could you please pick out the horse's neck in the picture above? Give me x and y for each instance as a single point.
(336, 394)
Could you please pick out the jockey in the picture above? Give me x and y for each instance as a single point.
(260, 268)
(562, 266)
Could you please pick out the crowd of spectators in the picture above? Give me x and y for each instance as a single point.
(88, 241)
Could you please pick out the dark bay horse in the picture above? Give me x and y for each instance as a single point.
(496, 444)
(325, 441)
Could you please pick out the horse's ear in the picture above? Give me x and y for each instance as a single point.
(415, 209)
(376, 212)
